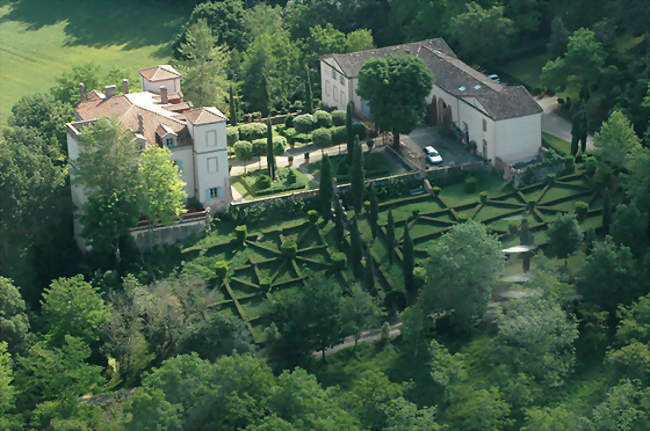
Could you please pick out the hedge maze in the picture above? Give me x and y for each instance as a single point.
(267, 261)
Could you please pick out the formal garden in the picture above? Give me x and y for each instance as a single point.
(278, 248)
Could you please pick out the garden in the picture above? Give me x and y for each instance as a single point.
(258, 184)
(281, 248)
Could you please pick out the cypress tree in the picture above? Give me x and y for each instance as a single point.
(525, 236)
(339, 228)
(607, 211)
(390, 236)
(369, 274)
(326, 190)
(408, 263)
(357, 176)
(373, 213)
(264, 97)
(309, 102)
(270, 157)
(233, 107)
(349, 131)
(356, 248)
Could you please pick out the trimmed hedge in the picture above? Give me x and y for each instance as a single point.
(483, 197)
(251, 131)
(303, 123)
(360, 130)
(313, 216)
(323, 119)
(581, 209)
(232, 135)
(279, 145)
(242, 232)
(322, 137)
(262, 182)
(338, 134)
(338, 117)
(221, 270)
(289, 249)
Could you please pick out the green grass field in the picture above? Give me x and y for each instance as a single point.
(40, 39)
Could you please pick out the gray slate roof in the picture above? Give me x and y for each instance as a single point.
(497, 101)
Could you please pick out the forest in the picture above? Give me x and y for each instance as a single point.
(232, 331)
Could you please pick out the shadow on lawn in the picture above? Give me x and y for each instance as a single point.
(99, 23)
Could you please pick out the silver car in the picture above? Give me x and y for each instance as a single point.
(433, 157)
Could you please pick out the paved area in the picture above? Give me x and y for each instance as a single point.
(451, 151)
(556, 125)
(366, 337)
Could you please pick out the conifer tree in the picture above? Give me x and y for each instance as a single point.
(369, 274)
(356, 247)
(349, 131)
(270, 158)
(339, 228)
(309, 98)
(373, 213)
(390, 235)
(326, 190)
(357, 176)
(408, 262)
(607, 211)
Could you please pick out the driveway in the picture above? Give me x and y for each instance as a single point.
(556, 125)
(452, 152)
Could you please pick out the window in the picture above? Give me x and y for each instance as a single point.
(212, 165)
(484, 125)
(342, 96)
(169, 142)
(215, 192)
(211, 138)
(342, 80)
(335, 94)
(334, 74)
(327, 88)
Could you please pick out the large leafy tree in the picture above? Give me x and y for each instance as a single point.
(580, 67)
(204, 71)
(359, 312)
(461, 269)
(107, 169)
(396, 88)
(536, 336)
(637, 183)
(565, 236)
(616, 140)
(71, 306)
(630, 227)
(162, 189)
(14, 324)
(483, 34)
(7, 389)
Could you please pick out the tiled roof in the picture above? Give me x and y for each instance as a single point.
(95, 107)
(204, 115)
(452, 75)
(351, 63)
(159, 73)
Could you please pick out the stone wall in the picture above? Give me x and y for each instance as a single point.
(146, 237)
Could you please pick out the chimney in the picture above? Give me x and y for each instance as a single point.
(140, 124)
(82, 91)
(110, 91)
(125, 86)
(163, 95)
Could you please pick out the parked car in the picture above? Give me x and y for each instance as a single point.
(433, 157)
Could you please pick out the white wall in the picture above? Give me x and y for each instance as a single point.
(183, 156)
(173, 85)
(210, 143)
(331, 86)
(519, 139)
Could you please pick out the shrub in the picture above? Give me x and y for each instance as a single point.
(221, 270)
(366, 206)
(550, 178)
(242, 232)
(419, 275)
(306, 156)
(530, 204)
(303, 123)
(513, 227)
(290, 159)
(262, 182)
(339, 261)
(462, 218)
(569, 164)
(470, 184)
(313, 216)
(323, 119)
(302, 137)
(338, 135)
(484, 197)
(579, 158)
(251, 131)
(360, 130)
(590, 165)
(289, 249)
(288, 121)
(291, 176)
(370, 143)
(338, 117)
(259, 147)
(581, 209)
(279, 145)
(232, 135)
(436, 191)
(265, 283)
(290, 132)
(322, 137)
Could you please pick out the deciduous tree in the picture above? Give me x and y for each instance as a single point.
(14, 324)
(359, 312)
(565, 237)
(243, 151)
(630, 228)
(396, 89)
(162, 187)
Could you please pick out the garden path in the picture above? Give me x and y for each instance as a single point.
(368, 336)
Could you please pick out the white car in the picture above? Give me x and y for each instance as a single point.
(432, 155)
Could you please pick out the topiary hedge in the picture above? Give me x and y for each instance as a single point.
(339, 261)
(262, 182)
(581, 209)
(484, 197)
(322, 137)
(338, 135)
(242, 232)
(338, 117)
(232, 135)
(221, 270)
(251, 131)
(360, 130)
(289, 249)
(323, 119)
(313, 216)
(303, 123)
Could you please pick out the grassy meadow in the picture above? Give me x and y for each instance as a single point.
(43, 38)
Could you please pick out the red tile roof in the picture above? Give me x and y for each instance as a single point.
(204, 115)
(159, 73)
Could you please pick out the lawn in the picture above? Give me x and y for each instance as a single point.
(246, 184)
(526, 69)
(43, 38)
(559, 145)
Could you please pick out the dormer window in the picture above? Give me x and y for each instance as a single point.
(170, 142)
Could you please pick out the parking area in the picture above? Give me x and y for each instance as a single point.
(452, 152)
